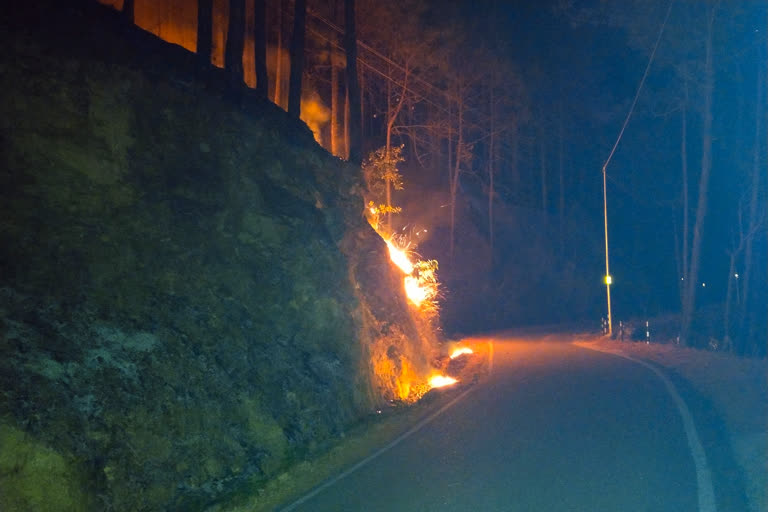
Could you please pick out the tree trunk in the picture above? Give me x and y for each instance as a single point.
(561, 188)
(204, 32)
(388, 150)
(449, 157)
(233, 52)
(684, 168)
(689, 306)
(727, 340)
(346, 124)
(350, 46)
(514, 164)
(260, 47)
(543, 159)
(334, 104)
(129, 14)
(746, 328)
(491, 170)
(362, 103)
(297, 58)
(455, 173)
(279, 56)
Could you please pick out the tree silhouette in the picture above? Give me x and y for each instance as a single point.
(297, 58)
(353, 87)
(204, 32)
(233, 52)
(129, 11)
(260, 47)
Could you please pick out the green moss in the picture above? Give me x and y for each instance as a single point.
(263, 431)
(261, 229)
(35, 477)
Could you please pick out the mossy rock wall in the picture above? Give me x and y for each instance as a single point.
(179, 305)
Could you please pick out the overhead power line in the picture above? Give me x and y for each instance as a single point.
(640, 87)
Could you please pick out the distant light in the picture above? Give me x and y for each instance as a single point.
(682, 279)
(608, 280)
(704, 285)
(736, 276)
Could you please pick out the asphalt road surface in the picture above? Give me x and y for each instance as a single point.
(555, 427)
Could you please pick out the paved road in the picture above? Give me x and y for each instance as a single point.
(554, 428)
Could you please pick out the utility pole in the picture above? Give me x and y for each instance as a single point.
(607, 269)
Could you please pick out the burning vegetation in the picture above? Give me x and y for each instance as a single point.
(401, 365)
(419, 282)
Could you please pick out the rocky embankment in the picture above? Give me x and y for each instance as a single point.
(190, 297)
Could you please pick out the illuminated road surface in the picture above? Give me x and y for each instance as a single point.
(555, 428)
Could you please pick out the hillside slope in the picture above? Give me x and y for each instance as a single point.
(190, 298)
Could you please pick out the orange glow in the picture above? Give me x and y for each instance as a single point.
(399, 258)
(439, 381)
(414, 291)
(420, 281)
(460, 351)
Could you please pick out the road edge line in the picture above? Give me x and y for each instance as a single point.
(399, 439)
(706, 493)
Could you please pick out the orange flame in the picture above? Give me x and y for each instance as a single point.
(399, 258)
(439, 381)
(460, 351)
(420, 281)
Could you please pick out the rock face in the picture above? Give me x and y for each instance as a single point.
(190, 297)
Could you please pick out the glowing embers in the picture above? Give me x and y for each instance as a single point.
(460, 352)
(439, 381)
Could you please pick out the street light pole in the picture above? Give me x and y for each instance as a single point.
(613, 150)
(607, 270)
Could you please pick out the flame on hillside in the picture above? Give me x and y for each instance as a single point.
(439, 381)
(407, 371)
(420, 281)
(399, 257)
(460, 352)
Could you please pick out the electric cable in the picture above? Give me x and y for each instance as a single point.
(640, 87)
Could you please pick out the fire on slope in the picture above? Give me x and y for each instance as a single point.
(420, 281)
(421, 289)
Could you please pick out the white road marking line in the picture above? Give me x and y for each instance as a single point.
(376, 454)
(706, 493)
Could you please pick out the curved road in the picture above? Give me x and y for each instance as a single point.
(555, 427)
